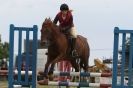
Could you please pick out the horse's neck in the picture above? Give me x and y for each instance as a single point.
(56, 34)
(56, 31)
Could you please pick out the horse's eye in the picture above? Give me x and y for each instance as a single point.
(40, 30)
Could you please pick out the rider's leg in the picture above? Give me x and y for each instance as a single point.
(73, 40)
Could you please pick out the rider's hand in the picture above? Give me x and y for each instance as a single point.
(63, 29)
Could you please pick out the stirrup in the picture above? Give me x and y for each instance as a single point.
(74, 53)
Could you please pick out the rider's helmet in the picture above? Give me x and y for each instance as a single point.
(64, 7)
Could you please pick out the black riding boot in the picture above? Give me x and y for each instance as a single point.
(73, 51)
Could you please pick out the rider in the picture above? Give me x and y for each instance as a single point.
(65, 19)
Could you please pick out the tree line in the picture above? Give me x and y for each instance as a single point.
(4, 49)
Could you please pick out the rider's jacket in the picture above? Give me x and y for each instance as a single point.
(64, 23)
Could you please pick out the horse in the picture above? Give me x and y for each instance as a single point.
(58, 48)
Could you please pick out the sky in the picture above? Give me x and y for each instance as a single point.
(94, 19)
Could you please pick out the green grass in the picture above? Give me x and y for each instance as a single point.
(4, 84)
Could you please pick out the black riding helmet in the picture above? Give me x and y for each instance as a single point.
(64, 7)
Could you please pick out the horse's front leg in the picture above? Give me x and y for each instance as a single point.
(45, 74)
(46, 69)
(59, 57)
(50, 73)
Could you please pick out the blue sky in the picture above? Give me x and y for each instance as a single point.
(94, 19)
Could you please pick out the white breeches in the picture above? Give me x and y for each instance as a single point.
(73, 32)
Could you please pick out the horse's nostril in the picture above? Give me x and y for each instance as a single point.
(43, 43)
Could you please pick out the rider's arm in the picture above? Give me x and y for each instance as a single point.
(56, 19)
(70, 23)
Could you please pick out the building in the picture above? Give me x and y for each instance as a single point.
(41, 55)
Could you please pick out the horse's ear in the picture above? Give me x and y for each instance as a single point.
(45, 19)
(49, 18)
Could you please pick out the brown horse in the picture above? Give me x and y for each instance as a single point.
(58, 47)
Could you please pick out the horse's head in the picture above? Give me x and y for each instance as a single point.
(46, 31)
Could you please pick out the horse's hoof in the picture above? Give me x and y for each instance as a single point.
(41, 73)
(51, 77)
(40, 77)
(43, 82)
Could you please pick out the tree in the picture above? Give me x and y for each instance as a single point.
(127, 47)
(4, 49)
(127, 43)
(1, 53)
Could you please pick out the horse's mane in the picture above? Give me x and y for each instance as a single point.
(56, 27)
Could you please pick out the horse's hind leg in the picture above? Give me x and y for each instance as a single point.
(85, 67)
(76, 67)
(84, 63)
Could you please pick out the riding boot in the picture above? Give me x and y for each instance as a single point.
(73, 50)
